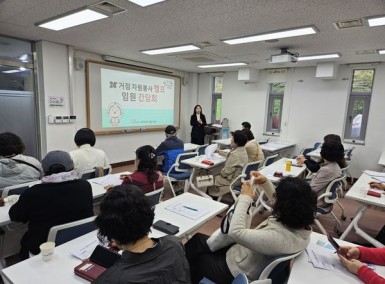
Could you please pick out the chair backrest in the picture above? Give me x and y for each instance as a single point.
(277, 269)
(181, 167)
(155, 196)
(61, 234)
(253, 166)
(269, 160)
(331, 195)
(106, 170)
(348, 153)
(306, 151)
(88, 174)
(201, 149)
(317, 145)
(18, 188)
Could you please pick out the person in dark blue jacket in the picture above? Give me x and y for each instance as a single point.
(169, 148)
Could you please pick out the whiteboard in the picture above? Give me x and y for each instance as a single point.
(124, 99)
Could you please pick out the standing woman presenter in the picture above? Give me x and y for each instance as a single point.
(198, 122)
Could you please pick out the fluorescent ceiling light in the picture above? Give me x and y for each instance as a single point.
(145, 3)
(70, 20)
(320, 56)
(377, 21)
(273, 35)
(171, 49)
(12, 71)
(381, 51)
(222, 65)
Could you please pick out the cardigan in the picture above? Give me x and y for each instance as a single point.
(373, 255)
(254, 151)
(87, 157)
(139, 178)
(165, 263)
(255, 248)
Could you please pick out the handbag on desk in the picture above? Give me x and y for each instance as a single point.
(204, 181)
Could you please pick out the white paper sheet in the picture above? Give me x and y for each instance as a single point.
(323, 258)
(109, 180)
(192, 211)
(85, 250)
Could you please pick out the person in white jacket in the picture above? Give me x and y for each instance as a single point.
(87, 157)
(16, 168)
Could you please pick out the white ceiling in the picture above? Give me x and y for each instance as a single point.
(178, 22)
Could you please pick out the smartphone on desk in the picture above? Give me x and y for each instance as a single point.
(165, 227)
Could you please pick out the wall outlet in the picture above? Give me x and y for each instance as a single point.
(58, 119)
(72, 118)
(51, 119)
(66, 119)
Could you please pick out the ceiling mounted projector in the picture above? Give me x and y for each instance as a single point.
(284, 57)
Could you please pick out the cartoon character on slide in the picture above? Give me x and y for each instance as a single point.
(114, 112)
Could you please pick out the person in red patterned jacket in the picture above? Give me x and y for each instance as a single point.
(354, 265)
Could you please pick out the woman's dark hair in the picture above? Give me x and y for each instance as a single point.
(147, 162)
(295, 203)
(246, 125)
(333, 138)
(125, 215)
(195, 108)
(85, 136)
(332, 152)
(239, 138)
(248, 134)
(10, 144)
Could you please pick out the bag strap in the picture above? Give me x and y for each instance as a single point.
(26, 163)
(225, 223)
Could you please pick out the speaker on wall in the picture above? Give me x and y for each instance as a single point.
(79, 63)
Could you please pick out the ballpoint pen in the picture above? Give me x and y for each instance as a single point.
(193, 209)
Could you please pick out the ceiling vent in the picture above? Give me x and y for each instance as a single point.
(348, 24)
(200, 57)
(366, 52)
(108, 7)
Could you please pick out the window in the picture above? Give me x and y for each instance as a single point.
(358, 106)
(274, 111)
(216, 103)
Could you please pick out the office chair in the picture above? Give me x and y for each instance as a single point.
(330, 197)
(245, 175)
(183, 171)
(201, 149)
(155, 196)
(269, 160)
(88, 174)
(61, 234)
(278, 269)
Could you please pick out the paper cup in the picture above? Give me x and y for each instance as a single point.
(47, 250)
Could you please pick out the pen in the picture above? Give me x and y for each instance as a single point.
(193, 209)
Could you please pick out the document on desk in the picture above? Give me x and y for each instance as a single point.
(109, 180)
(85, 250)
(323, 258)
(191, 211)
(380, 176)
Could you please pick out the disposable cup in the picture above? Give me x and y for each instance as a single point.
(47, 250)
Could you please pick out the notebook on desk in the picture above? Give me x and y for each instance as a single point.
(101, 259)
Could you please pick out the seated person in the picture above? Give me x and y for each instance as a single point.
(354, 265)
(314, 166)
(146, 177)
(60, 198)
(170, 149)
(16, 168)
(125, 219)
(246, 125)
(236, 160)
(287, 231)
(331, 153)
(87, 157)
(254, 151)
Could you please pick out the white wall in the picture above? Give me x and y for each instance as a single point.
(312, 108)
(55, 82)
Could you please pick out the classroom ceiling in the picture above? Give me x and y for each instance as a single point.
(206, 22)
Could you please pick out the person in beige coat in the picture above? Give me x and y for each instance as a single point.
(254, 151)
(287, 231)
(236, 160)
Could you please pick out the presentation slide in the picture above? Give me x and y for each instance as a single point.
(130, 99)
(124, 99)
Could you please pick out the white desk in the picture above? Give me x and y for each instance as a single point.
(381, 161)
(280, 166)
(190, 147)
(277, 147)
(223, 142)
(196, 163)
(315, 154)
(367, 200)
(61, 268)
(303, 272)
